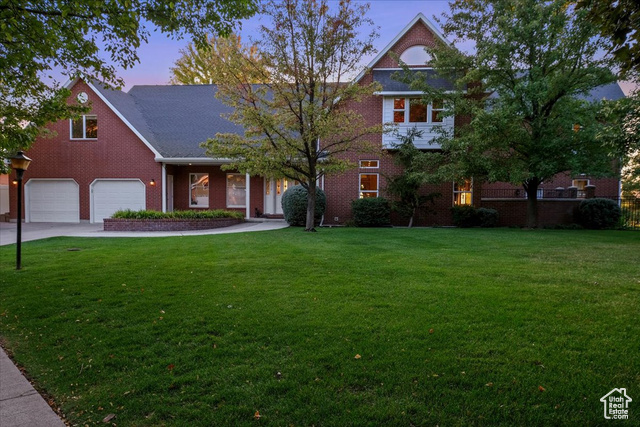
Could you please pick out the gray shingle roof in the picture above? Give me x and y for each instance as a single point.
(609, 92)
(174, 119)
(389, 84)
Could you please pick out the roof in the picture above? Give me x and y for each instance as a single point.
(389, 84)
(609, 92)
(173, 119)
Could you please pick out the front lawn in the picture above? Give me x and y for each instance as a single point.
(341, 327)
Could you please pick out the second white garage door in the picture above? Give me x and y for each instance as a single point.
(110, 195)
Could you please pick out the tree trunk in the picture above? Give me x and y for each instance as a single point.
(531, 187)
(311, 207)
(413, 213)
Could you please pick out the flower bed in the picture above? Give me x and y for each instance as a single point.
(167, 224)
(144, 220)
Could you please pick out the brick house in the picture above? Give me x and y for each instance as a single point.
(141, 150)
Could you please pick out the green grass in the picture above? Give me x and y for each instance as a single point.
(453, 326)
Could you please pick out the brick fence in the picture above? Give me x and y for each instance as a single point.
(170, 224)
(513, 212)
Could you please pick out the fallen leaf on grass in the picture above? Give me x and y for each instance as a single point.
(171, 366)
(257, 415)
(540, 388)
(489, 384)
(431, 330)
(358, 356)
(108, 418)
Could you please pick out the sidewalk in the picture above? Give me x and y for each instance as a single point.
(20, 403)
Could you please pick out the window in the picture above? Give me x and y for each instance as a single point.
(580, 184)
(236, 190)
(418, 111)
(415, 55)
(463, 193)
(86, 127)
(368, 185)
(369, 164)
(199, 190)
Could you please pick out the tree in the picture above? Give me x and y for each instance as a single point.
(198, 66)
(298, 122)
(524, 92)
(619, 22)
(89, 38)
(406, 186)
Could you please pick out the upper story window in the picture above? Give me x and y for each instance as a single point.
(85, 127)
(414, 110)
(369, 164)
(415, 55)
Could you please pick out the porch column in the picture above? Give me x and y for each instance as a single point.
(163, 187)
(248, 196)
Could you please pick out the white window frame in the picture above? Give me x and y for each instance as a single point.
(244, 205)
(469, 192)
(361, 190)
(84, 127)
(407, 112)
(191, 205)
(369, 167)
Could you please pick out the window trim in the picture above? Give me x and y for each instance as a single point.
(369, 167)
(360, 190)
(580, 194)
(456, 192)
(191, 205)
(407, 112)
(226, 190)
(84, 128)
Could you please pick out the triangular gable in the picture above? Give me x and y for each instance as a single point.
(145, 141)
(420, 17)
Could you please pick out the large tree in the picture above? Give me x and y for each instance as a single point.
(198, 65)
(619, 22)
(524, 90)
(298, 122)
(88, 37)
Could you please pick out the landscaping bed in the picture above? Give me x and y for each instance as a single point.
(171, 221)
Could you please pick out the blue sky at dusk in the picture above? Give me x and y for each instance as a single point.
(159, 55)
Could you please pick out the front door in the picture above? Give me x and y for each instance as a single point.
(273, 191)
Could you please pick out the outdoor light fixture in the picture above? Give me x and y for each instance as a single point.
(153, 182)
(14, 182)
(19, 163)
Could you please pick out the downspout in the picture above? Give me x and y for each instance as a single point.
(163, 187)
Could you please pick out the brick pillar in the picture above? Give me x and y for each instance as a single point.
(589, 191)
(573, 192)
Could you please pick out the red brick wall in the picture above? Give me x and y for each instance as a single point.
(116, 153)
(550, 212)
(120, 224)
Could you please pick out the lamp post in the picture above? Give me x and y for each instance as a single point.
(19, 163)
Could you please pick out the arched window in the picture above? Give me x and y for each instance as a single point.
(415, 55)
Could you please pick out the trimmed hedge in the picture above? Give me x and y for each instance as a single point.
(598, 213)
(195, 214)
(371, 212)
(468, 216)
(294, 205)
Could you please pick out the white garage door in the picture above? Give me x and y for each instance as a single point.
(52, 200)
(108, 196)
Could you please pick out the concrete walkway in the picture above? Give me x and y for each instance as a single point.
(20, 403)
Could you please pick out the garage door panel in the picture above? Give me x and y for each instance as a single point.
(110, 196)
(53, 201)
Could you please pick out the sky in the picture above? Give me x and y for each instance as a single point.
(158, 56)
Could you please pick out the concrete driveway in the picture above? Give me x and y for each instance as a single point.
(43, 230)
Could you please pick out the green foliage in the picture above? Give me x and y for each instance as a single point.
(294, 205)
(617, 21)
(295, 125)
(91, 38)
(466, 216)
(598, 213)
(190, 214)
(371, 212)
(536, 59)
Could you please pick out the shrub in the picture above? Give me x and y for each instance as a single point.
(371, 212)
(294, 205)
(487, 217)
(598, 213)
(195, 214)
(464, 216)
(468, 216)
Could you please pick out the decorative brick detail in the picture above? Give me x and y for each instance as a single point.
(170, 224)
